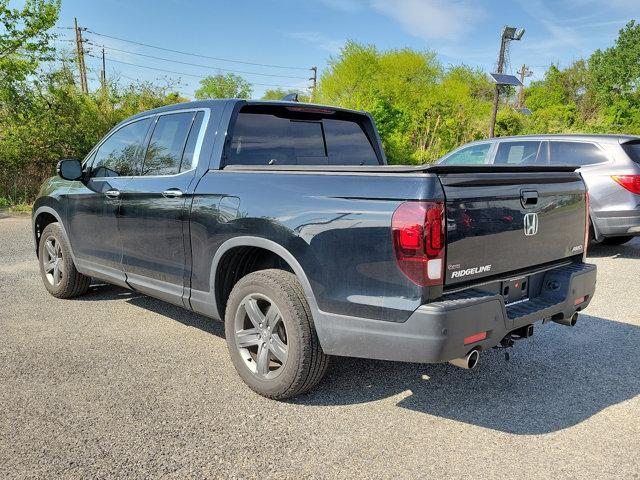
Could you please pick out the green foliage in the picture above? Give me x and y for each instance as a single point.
(25, 38)
(615, 72)
(50, 119)
(600, 94)
(509, 122)
(223, 86)
(421, 108)
(279, 93)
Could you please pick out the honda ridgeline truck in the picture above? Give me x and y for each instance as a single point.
(284, 220)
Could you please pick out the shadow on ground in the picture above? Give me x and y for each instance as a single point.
(555, 380)
(628, 250)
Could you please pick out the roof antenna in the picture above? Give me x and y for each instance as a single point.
(291, 97)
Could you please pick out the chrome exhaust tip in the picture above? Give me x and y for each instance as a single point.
(469, 361)
(570, 322)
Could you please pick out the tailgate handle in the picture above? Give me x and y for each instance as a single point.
(529, 198)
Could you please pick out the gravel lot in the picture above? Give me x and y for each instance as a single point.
(115, 384)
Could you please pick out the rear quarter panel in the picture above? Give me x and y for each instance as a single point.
(337, 227)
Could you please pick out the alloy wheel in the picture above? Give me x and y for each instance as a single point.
(261, 336)
(52, 261)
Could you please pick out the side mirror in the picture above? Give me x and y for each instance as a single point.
(69, 169)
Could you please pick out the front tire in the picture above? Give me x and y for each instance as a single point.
(59, 274)
(271, 337)
(612, 241)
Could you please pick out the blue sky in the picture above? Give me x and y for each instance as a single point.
(304, 33)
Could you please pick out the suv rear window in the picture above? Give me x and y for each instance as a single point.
(633, 150)
(575, 153)
(285, 136)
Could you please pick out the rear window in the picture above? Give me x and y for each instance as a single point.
(575, 153)
(279, 136)
(633, 150)
(518, 153)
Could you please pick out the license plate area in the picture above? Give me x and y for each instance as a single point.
(515, 290)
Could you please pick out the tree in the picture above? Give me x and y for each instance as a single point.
(615, 72)
(223, 86)
(49, 118)
(422, 109)
(25, 39)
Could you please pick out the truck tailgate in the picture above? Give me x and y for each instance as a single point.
(502, 222)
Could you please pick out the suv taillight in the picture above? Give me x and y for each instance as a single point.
(630, 182)
(419, 240)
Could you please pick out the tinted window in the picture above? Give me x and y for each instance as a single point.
(308, 139)
(189, 149)
(260, 139)
(517, 153)
(576, 153)
(119, 154)
(474, 155)
(348, 144)
(263, 139)
(167, 143)
(633, 150)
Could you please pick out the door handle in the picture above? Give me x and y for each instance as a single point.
(172, 193)
(113, 193)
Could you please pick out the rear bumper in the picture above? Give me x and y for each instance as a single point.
(610, 224)
(435, 332)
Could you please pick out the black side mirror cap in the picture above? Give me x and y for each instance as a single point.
(69, 169)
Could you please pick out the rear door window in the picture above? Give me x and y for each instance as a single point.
(164, 153)
(518, 153)
(576, 153)
(268, 139)
(119, 154)
(473, 155)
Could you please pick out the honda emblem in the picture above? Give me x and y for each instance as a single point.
(530, 224)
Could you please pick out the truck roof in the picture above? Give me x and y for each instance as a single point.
(225, 101)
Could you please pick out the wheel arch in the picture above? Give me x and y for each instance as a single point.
(43, 216)
(215, 302)
(264, 244)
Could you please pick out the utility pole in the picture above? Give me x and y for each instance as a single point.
(80, 52)
(103, 74)
(314, 82)
(524, 72)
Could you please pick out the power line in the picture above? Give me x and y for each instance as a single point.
(183, 73)
(195, 64)
(195, 54)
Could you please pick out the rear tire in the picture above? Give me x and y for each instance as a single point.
(612, 241)
(59, 274)
(271, 337)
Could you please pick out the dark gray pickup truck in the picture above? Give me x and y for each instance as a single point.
(284, 220)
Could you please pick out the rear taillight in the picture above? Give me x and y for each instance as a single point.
(630, 182)
(586, 226)
(418, 241)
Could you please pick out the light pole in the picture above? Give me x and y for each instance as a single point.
(508, 34)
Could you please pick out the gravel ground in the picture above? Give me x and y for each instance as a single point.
(115, 384)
